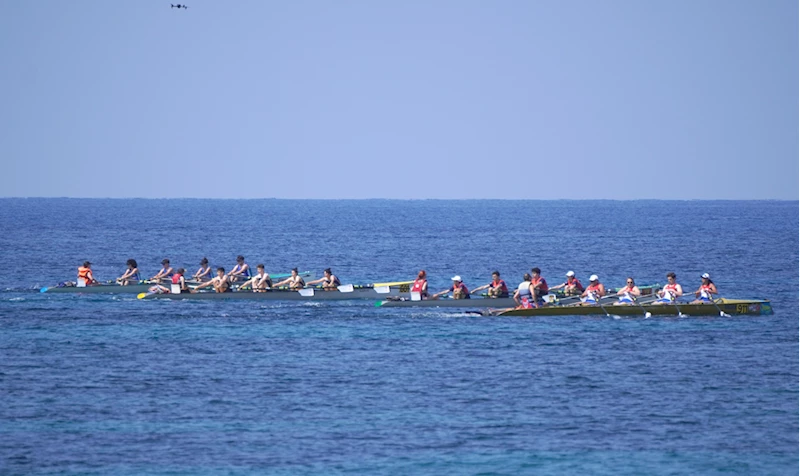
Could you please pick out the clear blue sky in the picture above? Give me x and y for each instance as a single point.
(400, 99)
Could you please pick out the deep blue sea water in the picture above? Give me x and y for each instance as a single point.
(94, 384)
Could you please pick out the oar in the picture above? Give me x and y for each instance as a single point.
(599, 303)
(721, 314)
(647, 314)
(675, 303)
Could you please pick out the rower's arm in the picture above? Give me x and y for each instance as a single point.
(315, 281)
(636, 291)
(559, 286)
(205, 285)
(601, 291)
(481, 288)
(678, 290)
(285, 281)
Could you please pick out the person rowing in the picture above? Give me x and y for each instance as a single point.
(204, 273)
(420, 285)
(523, 296)
(164, 273)
(572, 287)
(705, 293)
(497, 288)
(459, 289)
(538, 287)
(240, 272)
(294, 281)
(594, 291)
(180, 281)
(221, 282)
(260, 282)
(628, 294)
(328, 280)
(85, 275)
(671, 291)
(131, 275)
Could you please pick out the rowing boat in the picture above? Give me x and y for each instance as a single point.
(141, 287)
(730, 306)
(347, 292)
(484, 301)
(753, 307)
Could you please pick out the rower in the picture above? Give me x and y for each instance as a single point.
(497, 288)
(628, 294)
(538, 286)
(329, 281)
(572, 287)
(671, 291)
(459, 289)
(204, 273)
(594, 292)
(261, 282)
(705, 293)
(240, 272)
(179, 282)
(131, 275)
(85, 276)
(420, 285)
(523, 295)
(294, 281)
(166, 270)
(221, 283)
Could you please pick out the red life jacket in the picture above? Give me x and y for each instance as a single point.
(176, 279)
(418, 283)
(575, 283)
(85, 274)
(541, 284)
(704, 287)
(501, 284)
(593, 288)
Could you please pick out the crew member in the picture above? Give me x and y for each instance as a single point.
(705, 293)
(294, 281)
(178, 279)
(629, 293)
(204, 273)
(85, 275)
(329, 281)
(221, 282)
(538, 286)
(420, 285)
(459, 289)
(594, 292)
(240, 272)
(497, 288)
(671, 291)
(166, 270)
(572, 287)
(131, 274)
(523, 296)
(260, 282)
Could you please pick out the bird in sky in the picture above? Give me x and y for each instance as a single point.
(179, 6)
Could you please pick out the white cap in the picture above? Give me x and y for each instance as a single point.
(594, 278)
(706, 276)
(570, 274)
(456, 278)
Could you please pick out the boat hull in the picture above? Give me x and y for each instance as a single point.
(729, 306)
(283, 295)
(752, 307)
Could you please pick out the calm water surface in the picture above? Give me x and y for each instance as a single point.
(96, 384)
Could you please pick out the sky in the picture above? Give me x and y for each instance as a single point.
(411, 99)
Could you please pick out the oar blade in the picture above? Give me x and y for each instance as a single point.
(141, 295)
(306, 292)
(346, 288)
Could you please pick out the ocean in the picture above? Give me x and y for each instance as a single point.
(108, 384)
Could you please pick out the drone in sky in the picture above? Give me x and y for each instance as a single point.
(179, 6)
